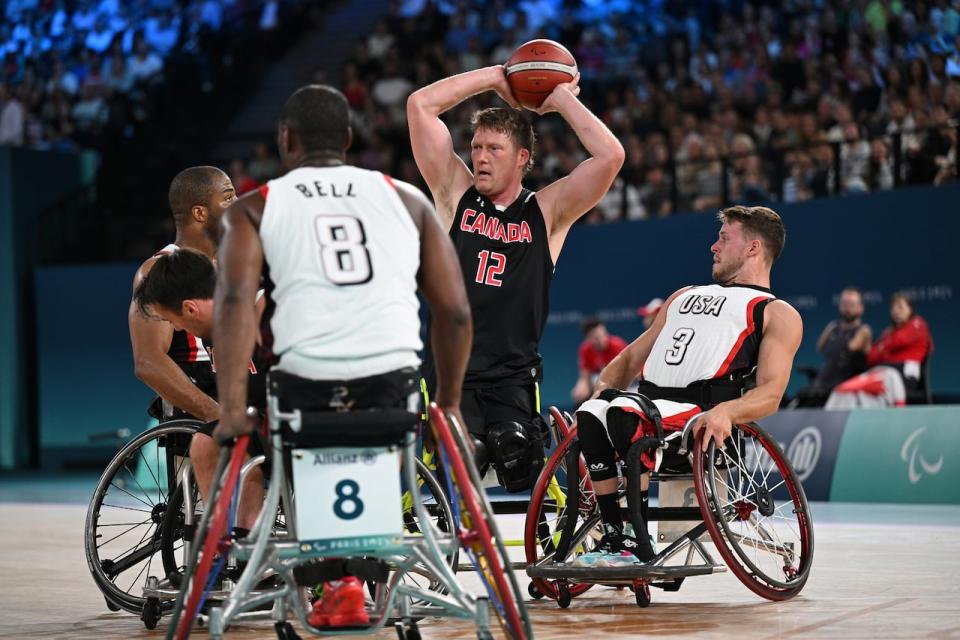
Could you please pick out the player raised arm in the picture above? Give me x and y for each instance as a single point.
(150, 339)
(239, 264)
(564, 201)
(445, 173)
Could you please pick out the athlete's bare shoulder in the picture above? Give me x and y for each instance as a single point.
(413, 199)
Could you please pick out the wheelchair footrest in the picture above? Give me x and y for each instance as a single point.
(366, 569)
(565, 571)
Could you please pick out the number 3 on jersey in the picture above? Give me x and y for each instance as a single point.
(490, 268)
(343, 250)
(681, 340)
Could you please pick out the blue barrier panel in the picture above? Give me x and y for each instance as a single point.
(810, 438)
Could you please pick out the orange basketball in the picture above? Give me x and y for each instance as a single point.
(536, 67)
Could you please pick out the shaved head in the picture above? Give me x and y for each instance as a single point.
(193, 187)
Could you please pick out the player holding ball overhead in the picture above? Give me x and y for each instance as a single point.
(509, 238)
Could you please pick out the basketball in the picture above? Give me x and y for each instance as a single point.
(536, 67)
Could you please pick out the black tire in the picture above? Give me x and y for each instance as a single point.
(756, 512)
(642, 595)
(535, 593)
(563, 596)
(150, 614)
(437, 504)
(121, 550)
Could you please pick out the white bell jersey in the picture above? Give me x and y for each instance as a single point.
(710, 332)
(342, 256)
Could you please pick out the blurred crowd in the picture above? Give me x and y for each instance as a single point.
(75, 72)
(714, 101)
(738, 100)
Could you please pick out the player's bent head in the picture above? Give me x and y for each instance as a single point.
(510, 122)
(192, 188)
(760, 223)
(179, 288)
(317, 118)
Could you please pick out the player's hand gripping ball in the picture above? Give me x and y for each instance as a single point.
(535, 68)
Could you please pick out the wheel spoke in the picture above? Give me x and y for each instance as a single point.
(144, 503)
(122, 533)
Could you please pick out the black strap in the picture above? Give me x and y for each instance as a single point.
(367, 569)
(705, 394)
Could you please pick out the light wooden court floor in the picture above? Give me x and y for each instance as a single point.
(879, 571)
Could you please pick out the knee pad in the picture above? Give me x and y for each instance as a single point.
(481, 456)
(596, 446)
(517, 454)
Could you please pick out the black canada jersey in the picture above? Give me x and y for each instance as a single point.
(507, 268)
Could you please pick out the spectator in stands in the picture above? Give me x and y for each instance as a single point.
(12, 118)
(596, 351)
(241, 180)
(143, 64)
(649, 311)
(844, 344)
(264, 165)
(905, 345)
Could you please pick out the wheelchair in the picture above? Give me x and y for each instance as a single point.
(409, 558)
(134, 525)
(146, 505)
(750, 505)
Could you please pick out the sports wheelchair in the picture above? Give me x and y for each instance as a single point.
(145, 509)
(335, 477)
(749, 502)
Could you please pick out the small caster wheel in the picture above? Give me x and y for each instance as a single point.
(285, 631)
(151, 613)
(111, 605)
(563, 596)
(535, 593)
(413, 633)
(642, 593)
(401, 632)
(484, 634)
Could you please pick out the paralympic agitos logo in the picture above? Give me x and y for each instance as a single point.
(910, 453)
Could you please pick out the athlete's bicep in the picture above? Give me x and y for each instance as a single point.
(783, 331)
(444, 171)
(149, 337)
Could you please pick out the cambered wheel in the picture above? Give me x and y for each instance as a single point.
(122, 529)
(478, 532)
(549, 511)
(756, 512)
(438, 506)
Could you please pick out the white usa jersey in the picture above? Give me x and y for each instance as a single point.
(342, 256)
(710, 332)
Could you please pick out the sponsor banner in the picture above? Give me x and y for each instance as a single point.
(909, 455)
(810, 438)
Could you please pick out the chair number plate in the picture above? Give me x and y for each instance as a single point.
(348, 500)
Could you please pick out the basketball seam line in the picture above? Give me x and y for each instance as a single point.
(538, 65)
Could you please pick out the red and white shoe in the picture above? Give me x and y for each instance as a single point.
(342, 604)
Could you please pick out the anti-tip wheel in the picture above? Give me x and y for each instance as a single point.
(151, 613)
(563, 596)
(642, 593)
(535, 593)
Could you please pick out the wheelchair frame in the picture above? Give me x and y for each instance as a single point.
(266, 552)
(562, 581)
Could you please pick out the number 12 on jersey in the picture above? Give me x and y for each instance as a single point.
(490, 268)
